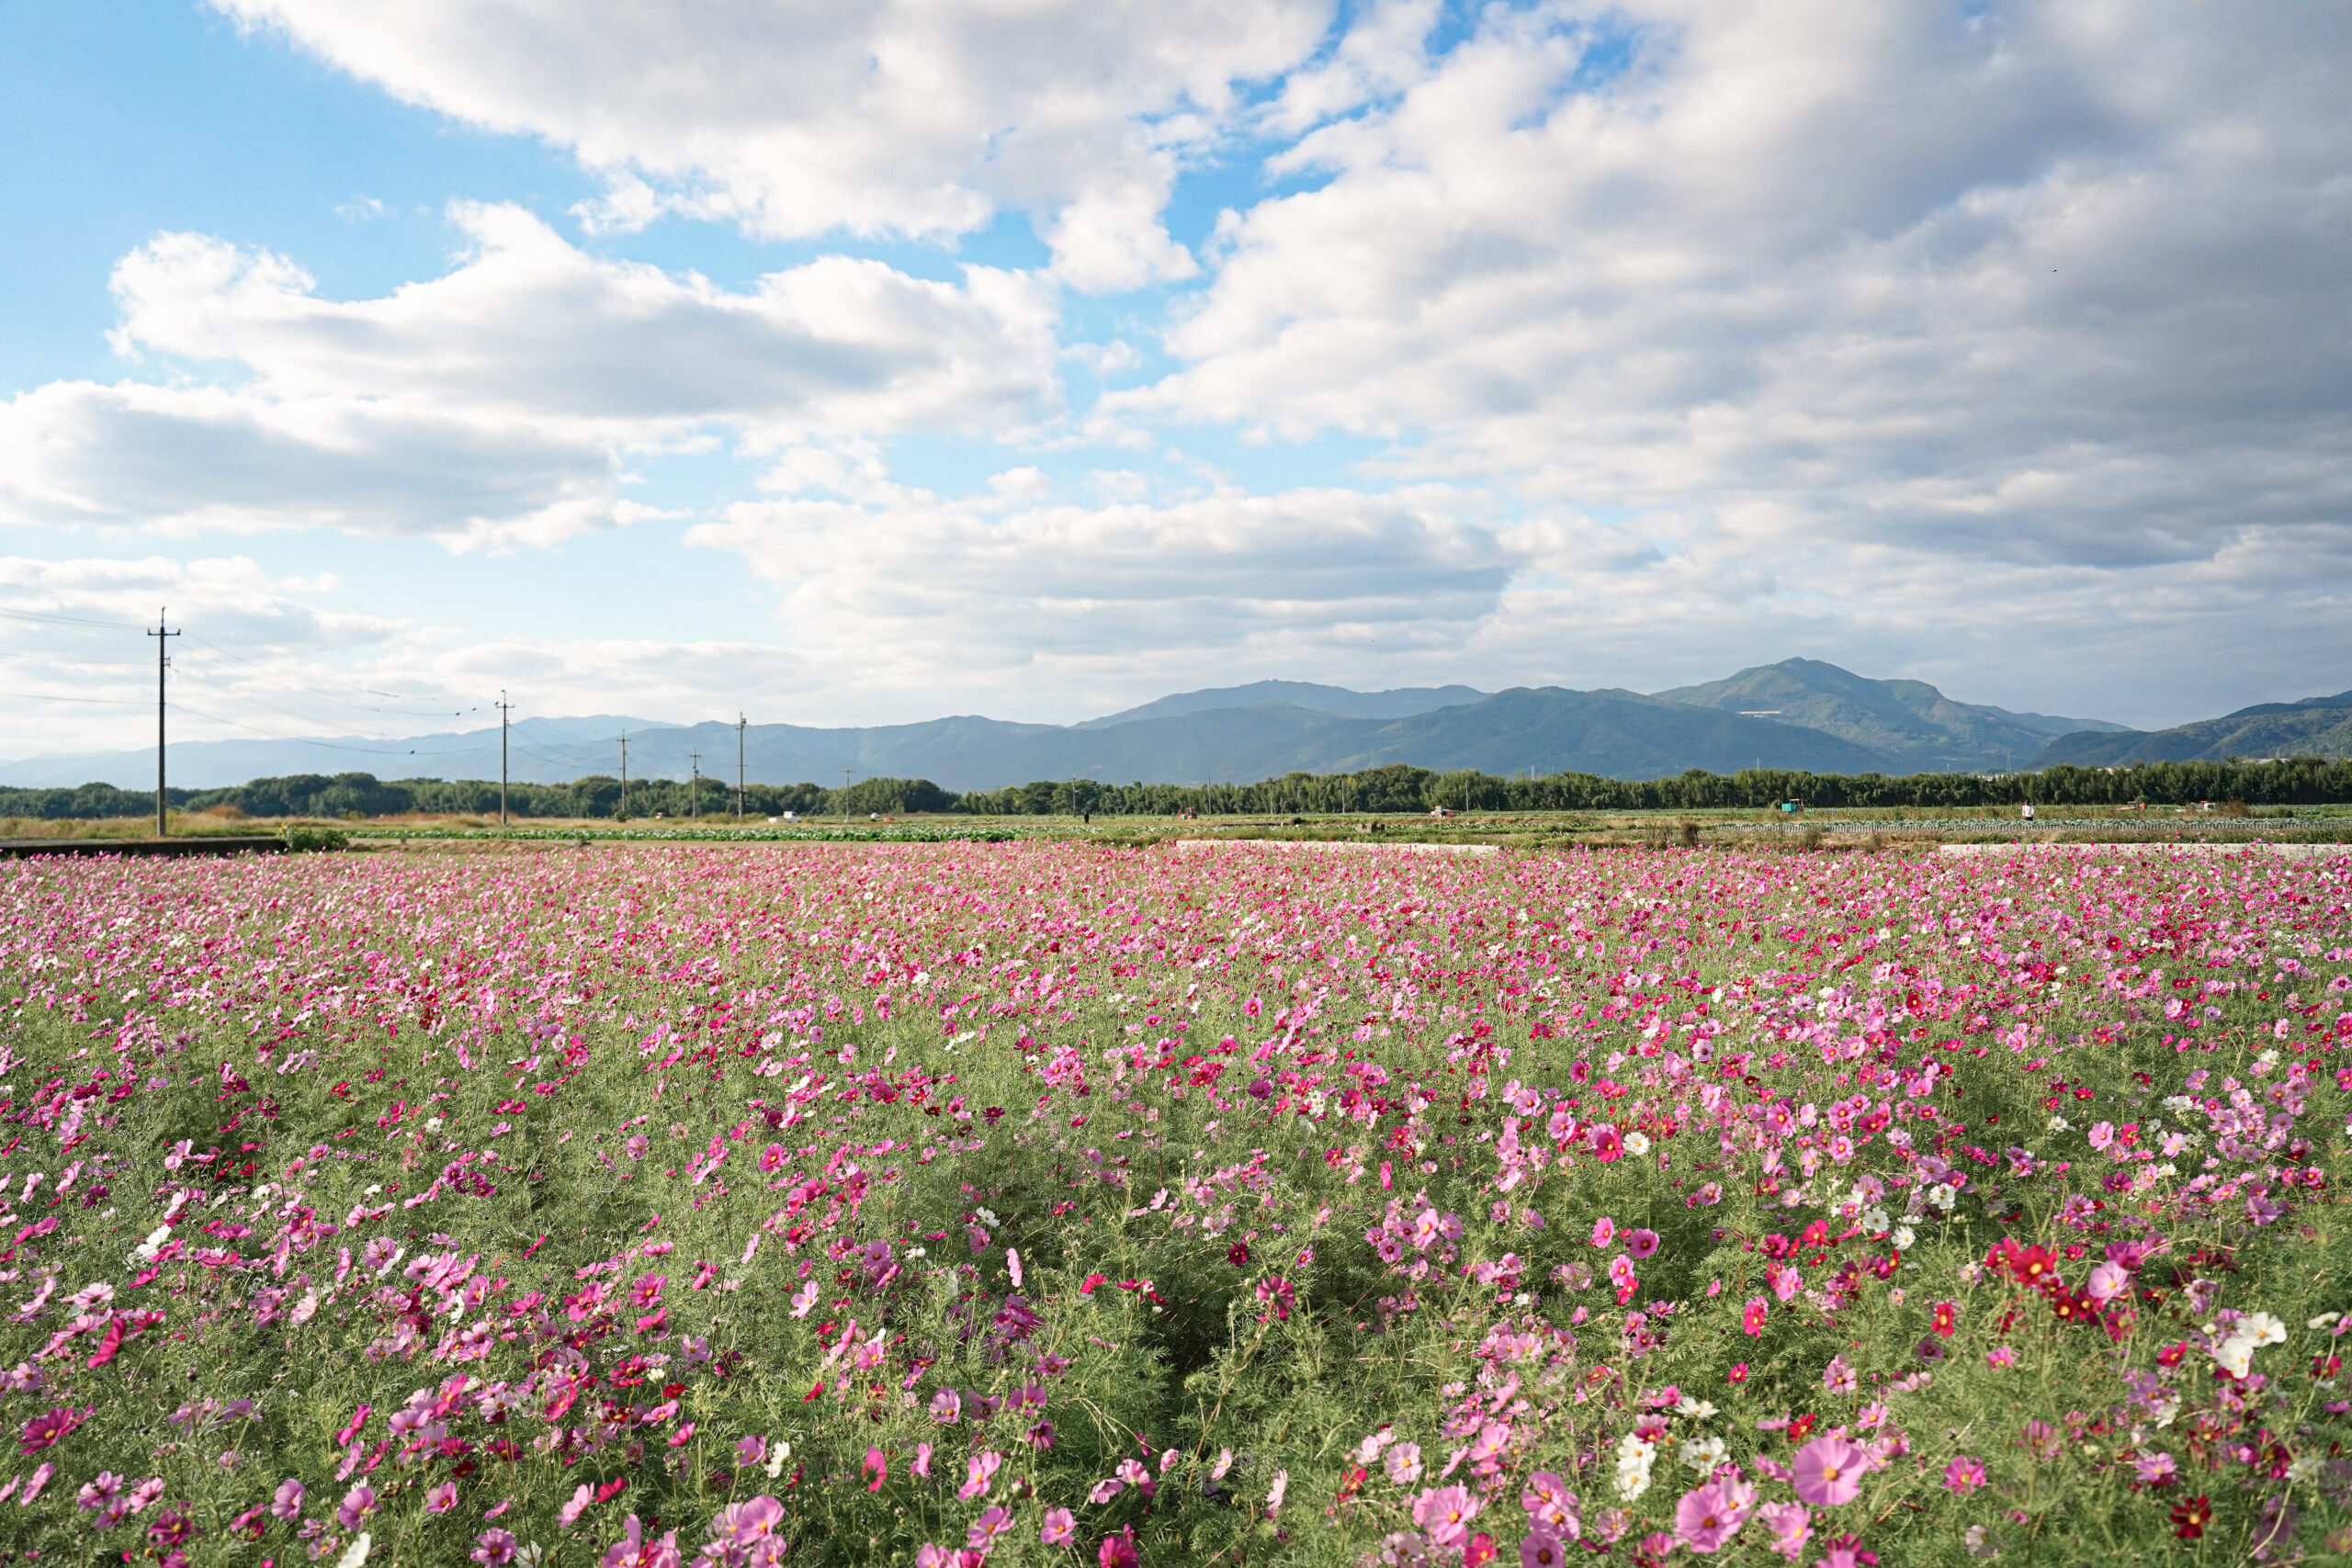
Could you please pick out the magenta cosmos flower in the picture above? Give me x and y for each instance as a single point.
(1828, 1472)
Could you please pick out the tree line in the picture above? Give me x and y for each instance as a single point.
(2305, 780)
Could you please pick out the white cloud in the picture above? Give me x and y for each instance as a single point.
(183, 459)
(797, 118)
(528, 326)
(2037, 286)
(914, 592)
(495, 405)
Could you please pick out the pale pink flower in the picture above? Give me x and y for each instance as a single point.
(1445, 1512)
(1061, 1528)
(1549, 1503)
(1789, 1524)
(1711, 1515)
(1828, 1472)
(1403, 1463)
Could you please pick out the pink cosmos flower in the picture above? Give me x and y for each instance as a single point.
(565, 1516)
(44, 1431)
(1641, 1244)
(1607, 1146)
(98, 1493)
(2108, 1280)
(1061, 1528)
(1845, 1551)
(2155, 1469)
(1604, 1231)
(981, 1535)
(495, 1548)
(923, 1460)
(441, 1498)
(357, 1504)
(1828, 1472)
(1789, 1524)
(754, 1519)
(946, 1407)
(1445, 1512)
(1540, 1549)
(1963, 1474)
(1403, 1463)
(1751, 1318)
(1709, 1516)
(748, 1450)
(287, 1502)
(877, 1468)
(1549, 1503)
(634, 1551)
(39, 1479)
(980, 1473)
(1119, 1550)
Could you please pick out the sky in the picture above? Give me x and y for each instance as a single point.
(864, 362)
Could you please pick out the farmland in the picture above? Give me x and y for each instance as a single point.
(1060, 1201)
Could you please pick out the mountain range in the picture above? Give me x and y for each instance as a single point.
(2315, 726)
(1800, 714)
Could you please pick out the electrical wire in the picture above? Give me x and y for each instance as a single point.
(47, 618)
(269, 677)
(47, 697)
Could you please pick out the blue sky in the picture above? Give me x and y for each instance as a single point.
(855, 364)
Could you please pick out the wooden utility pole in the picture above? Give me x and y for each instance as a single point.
(503, 707)
(162, 640)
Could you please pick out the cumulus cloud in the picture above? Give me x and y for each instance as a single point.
(799, 117)
(183, 459)
(494, 405)
(2033, 283)
(528, 326)
(908, 588)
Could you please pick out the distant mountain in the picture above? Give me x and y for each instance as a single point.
(1800, 715)
(1402, 703)
(468, 754)
(1911, 727)
(2316, 727)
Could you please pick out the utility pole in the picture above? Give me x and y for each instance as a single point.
(740, 722)
(624, 815)
(503, 705)
(693, 789)
(846, 772)
(162, 640)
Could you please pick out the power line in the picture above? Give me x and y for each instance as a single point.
(50, 698)
(68, 620)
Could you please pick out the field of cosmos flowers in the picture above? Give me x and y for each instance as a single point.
(1045, 1202)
